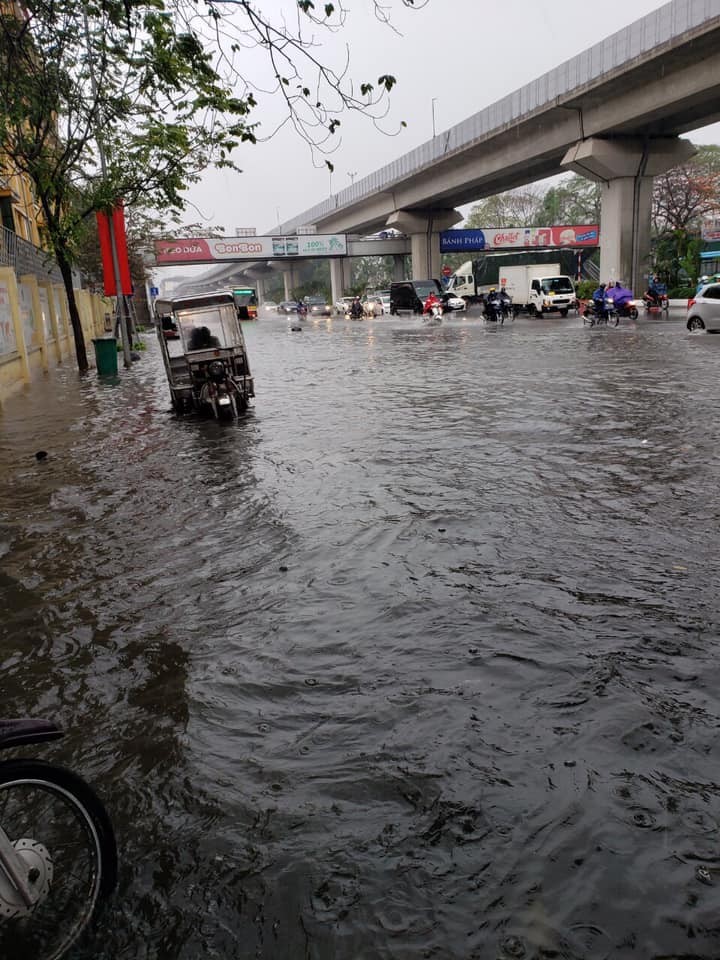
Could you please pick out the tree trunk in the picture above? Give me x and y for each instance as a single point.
(78, 335)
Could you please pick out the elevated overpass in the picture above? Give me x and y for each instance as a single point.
(614, 114)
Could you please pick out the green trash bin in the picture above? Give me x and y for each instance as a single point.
(106, 356)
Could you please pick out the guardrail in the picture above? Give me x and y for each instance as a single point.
(25, 257)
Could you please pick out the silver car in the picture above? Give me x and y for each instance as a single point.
(704, 309)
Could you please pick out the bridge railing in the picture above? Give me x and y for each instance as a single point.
(652, 31)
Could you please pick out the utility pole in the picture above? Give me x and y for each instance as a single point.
(432, 105)
(120, 305)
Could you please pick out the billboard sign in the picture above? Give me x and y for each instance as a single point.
(230, 249)
(520, 238)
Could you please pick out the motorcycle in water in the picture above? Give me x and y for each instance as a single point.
(58, 857)
(507, 309)
(655, 298)
(594, 314)
(656, 304)
(432, 311)
(627, 308)
(208, 368)
(493, 310)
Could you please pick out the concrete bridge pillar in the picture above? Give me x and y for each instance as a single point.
(398, 271)
(290, 278)
(260, 283)
(626, 169)
(340, 277)
(424, 228)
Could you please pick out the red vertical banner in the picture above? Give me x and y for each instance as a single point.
(116, 223)
(103, 225)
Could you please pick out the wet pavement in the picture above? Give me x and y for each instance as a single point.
(417, 659)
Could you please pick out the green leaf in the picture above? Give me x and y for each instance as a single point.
(387, 81)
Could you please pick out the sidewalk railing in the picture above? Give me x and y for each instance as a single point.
(24, 257)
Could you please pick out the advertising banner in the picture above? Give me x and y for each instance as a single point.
(26, 315)
(114, 224)
(45, 311)
(519, 238)
(7, 330)
(228, 249)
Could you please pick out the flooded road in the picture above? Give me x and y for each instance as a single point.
(417, 659)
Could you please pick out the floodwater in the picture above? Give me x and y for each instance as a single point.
(416, 660)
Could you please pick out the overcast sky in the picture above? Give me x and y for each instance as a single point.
(461, 54)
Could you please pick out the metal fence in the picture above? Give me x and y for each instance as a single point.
(663, 26)
(25, 257)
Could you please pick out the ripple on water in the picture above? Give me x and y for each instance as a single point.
(417, 659)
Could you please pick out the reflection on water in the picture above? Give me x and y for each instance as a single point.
(415, 660)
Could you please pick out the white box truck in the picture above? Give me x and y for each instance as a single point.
(474, 279)
(540, 288)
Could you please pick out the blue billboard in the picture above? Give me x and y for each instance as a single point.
(455, 241)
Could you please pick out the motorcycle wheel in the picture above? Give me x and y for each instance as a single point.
(62, 832)
(632, 313)
(613, 319)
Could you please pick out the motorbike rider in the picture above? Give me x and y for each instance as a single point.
(505, 302)
(432, 300)
(492, 304)
(356, 310)
(598, 299)
(621, 296)
(653, 296)
(202, 339)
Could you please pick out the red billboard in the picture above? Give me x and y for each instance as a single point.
(520, 238)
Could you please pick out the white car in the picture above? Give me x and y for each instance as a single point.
(385, 301)
(343, 305)
(453, 303)
(704, 308)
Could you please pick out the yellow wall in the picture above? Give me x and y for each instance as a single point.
(27, 214)
(35, 331)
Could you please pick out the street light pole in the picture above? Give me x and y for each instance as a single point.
(352, 176)
(432, 105)
(120, 304)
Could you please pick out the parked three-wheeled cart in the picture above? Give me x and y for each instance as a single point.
(207, 365)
